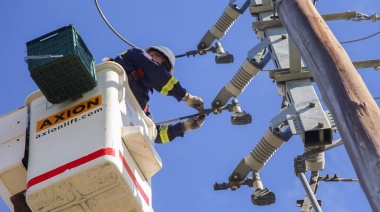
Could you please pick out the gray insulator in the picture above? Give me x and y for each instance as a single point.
(225, 21)
(315, 162)
(263, 151)
(242, 78)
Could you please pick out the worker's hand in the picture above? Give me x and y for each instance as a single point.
(194, 102)
(194, 122)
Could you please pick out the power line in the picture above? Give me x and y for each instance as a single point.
(360, 39)
(109, 25)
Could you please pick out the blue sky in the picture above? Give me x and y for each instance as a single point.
(191, 165)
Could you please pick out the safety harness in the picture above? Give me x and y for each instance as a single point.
(134, 75)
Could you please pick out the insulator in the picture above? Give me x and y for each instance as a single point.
(263, 151)
(242, 78)
(225, 21)
(315, 162)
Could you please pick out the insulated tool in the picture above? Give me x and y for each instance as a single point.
(205, 112)
(238, 117)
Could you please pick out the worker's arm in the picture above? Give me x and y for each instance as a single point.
(166, 133)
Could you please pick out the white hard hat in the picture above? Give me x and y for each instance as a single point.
(170, 57)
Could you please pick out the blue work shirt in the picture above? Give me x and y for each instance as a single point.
(154, 77)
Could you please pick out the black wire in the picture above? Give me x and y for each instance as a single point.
(109, 25)
(360, 39)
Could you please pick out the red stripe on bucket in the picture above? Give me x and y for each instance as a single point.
(86, 159)
(146, 198)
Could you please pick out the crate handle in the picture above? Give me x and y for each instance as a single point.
(38, 57)
(48, 37)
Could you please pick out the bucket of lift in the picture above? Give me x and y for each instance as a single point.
(92, 154)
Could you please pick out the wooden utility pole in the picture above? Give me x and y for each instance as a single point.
(353, 108)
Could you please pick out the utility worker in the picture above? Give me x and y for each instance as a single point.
(150, 69)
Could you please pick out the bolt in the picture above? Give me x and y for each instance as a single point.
(312, 104)
(321, 124)
(284, 36)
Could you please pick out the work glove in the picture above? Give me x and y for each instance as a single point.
(195, 102)
(193, 123)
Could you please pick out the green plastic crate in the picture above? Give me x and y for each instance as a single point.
(61, 78)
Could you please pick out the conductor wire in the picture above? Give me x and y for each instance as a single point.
(360, 39)
(109, 25)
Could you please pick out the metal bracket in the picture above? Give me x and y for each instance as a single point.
(233, 186)
(367, 64)
(295, 63)
(240, 172)
(261, 25)
(283, 116)
(285, 74)
(254, 10)
(282, 75)
(256, 49)
(304, 114)
(336, 178)
(331, 120)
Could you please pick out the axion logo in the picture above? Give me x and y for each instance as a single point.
(69, 113)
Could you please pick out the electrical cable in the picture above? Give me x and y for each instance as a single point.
(360, 39)
(109, 25)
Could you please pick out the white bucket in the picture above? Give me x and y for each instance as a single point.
(92, 154)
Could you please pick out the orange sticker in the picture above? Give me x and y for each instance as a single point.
(69, 113)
